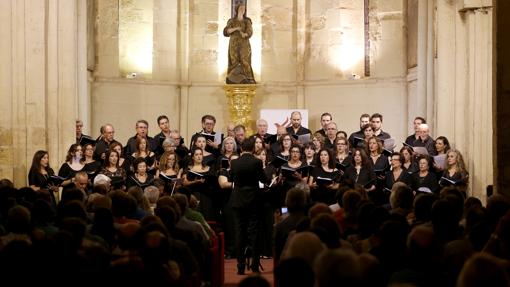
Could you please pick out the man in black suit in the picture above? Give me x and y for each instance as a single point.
(247, 172)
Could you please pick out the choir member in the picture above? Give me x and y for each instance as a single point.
(74, 163)
(40, 173)
(364, 120)
(361, 171)
(296, 128)
(318, 142)
(397, 172)
(424, 180)
(142, 129)
(208, 158)
(416, 123)
(309, 151)
(141, 177)
(124, 162)
(104, 141)
(324, 179)
(112, 169)
(142, 150)
(455, 172)
(342, 155)
(376, 123)
(197, 180)
(326, 118)
(410, 164)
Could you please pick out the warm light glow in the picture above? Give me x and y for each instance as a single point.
(224, 14)
(136, 37)
(348, 57)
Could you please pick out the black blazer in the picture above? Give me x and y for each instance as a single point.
(246, 172)
(365, 176)
(301, 131)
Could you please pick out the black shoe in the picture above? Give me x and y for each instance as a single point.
(255, 269)
(240, 268)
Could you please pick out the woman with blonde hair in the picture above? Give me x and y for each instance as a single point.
(455, 172)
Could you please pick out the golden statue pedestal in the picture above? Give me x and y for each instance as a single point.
(240, 102)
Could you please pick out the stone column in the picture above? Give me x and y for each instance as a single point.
(38, 83)
(501, 99)
(463, 99)
(184, 39)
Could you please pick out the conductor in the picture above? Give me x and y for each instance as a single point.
(247, 172)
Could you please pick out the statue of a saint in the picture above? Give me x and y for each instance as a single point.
(239, 50)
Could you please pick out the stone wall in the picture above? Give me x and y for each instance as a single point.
(38, 83)
(304, 56)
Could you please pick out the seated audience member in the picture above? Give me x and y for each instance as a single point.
(296, 202)
(337, 265)
(293, 272)
(304, 245)
(484, 270)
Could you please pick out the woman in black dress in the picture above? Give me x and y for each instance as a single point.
(325, 178)
(124, 162)
(455, 172)
(141, 177)
(74, 163)
(198, 180)
(208, 158)
(424, 180)
(143, 151)
(225, 205)
(92, 166)
(169, 171)
(288, 176)
(310, 155)
(112, 169)
(410, 165)
(397, 173)
(286, 141)
(342, 155)
(40, 173)
(360, 171)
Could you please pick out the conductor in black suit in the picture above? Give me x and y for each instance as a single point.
(247, 172)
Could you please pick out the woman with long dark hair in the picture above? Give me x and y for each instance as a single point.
(324, 181)
(75, 162)
(40, 174)
(197, 179)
